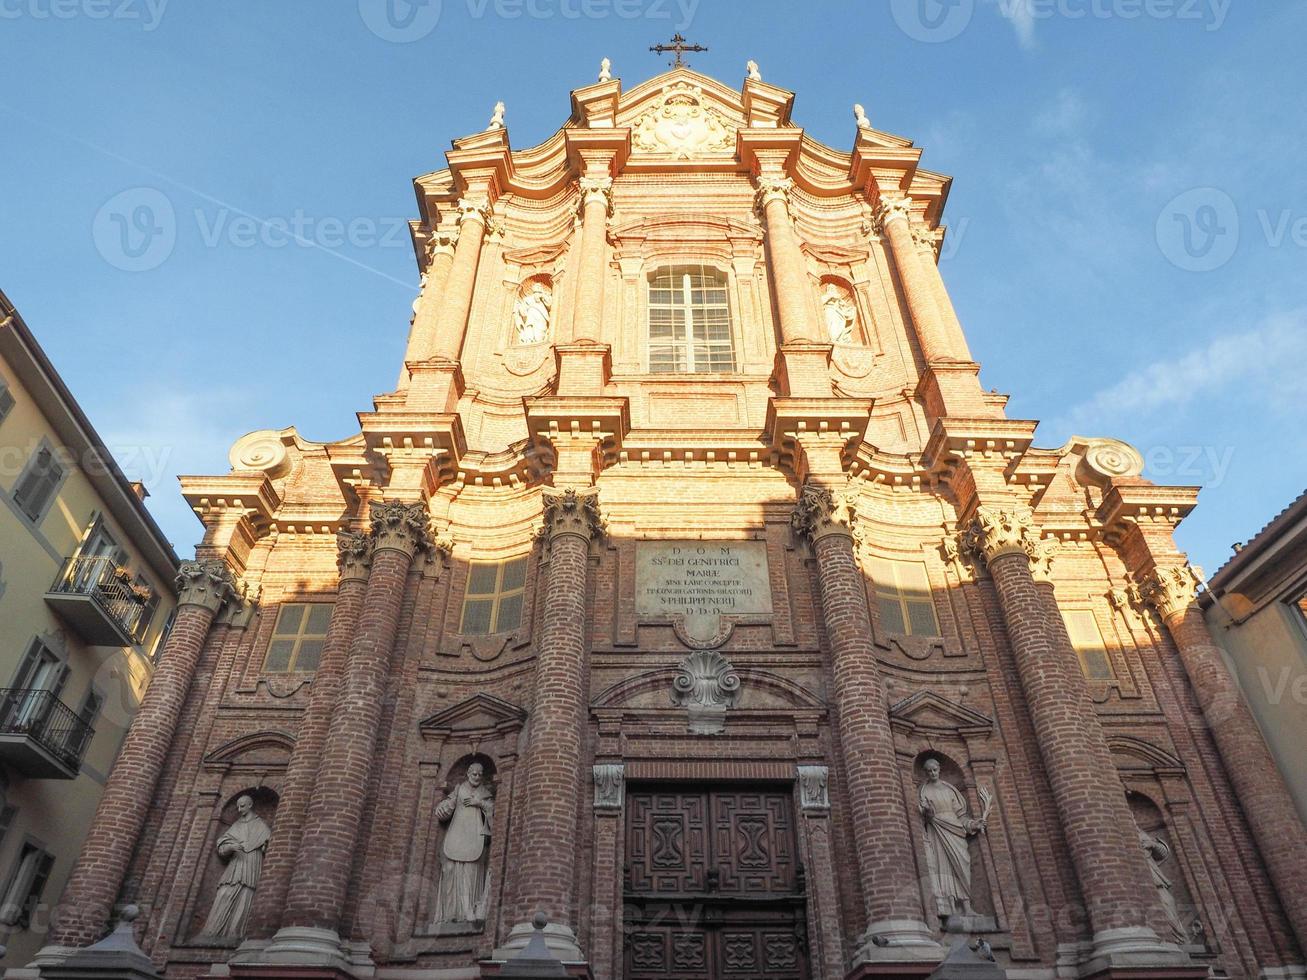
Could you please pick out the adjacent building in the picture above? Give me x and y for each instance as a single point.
(86, 593)
(691, 606)
(1256, 607)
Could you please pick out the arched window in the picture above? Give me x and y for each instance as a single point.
(689, 321)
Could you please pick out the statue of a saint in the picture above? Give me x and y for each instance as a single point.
(242, 847)
(461, 895)
(841, 313)
(948, 826)
(531, 314)
(1157, 851)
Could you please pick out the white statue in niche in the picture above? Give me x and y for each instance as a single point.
(841, 313)
(462, 893)
(242, 847)
(948, 826)
(532, 312)
(1157, 851)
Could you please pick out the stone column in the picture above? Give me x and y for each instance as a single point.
(592, 265)
(788, 269)
(354, 559)
(1262, 793)
(422, 338)
(308, 935)
(83, 912)
(1090, 799)
(895, 217)
(929, 263)
(886, 863)
(546, 871)
(456, 298)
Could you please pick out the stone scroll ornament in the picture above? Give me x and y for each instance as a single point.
(706, 684)
(610, 786)
(242, 847)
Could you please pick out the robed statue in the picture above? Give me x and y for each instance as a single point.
(469, 809)
(241, 846)
(531, 314)
(949, 825)
(1157, 851)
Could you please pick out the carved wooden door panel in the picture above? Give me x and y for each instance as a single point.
(713, 886)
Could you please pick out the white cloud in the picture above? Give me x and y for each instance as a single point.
(1021, 15)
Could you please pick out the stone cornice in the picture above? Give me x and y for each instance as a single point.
(400, 526)
(1136, 501)
(209, 584)
(571, 511)
(819, 513)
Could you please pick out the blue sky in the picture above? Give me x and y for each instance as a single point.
(1129, 215)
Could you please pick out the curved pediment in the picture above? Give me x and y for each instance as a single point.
(760, 690)
(259, 749)
(1135, 754)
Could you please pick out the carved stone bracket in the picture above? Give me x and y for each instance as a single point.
(400, 526)
(353, 556)
(706, 684)
(772, 188)
(610, 786)
(205, 583)
(820, 512)
(572, 511)
(1170, 590)
(596, 189)
(893, 209)
(813, 793)
(996, 531)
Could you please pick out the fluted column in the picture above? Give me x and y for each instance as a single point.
(354, 559)
(789, 274)
(546, 871)
(592, 264)
(422, 341)
(1257, 782)
(1090, 799)
(317, 889)
(83, 912)
(886, 864)
(895, 217)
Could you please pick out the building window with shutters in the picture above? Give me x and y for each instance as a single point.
(689, 321)
(1091, 648)
(38, 484)
(298, 637)
(6, 399)
(494, 596)
(903, 598)
(26, 882)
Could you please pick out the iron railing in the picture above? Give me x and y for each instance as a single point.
(42, 717)
(101, 580)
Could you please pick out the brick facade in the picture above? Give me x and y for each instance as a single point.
(507, 622)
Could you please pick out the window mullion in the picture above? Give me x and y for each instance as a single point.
(688, 305)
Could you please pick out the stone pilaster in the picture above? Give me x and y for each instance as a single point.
(422, 344)
(1262, 794)
(789, 278)
(546, 872)
(204, 587)
(1114, 881)
(886, 863)
(308, 935)
(596, 204)
(354, 559)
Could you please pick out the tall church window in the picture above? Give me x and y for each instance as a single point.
(298, 637)
(689, 321)
(903, 597)
(1087, 640)
(495, 592)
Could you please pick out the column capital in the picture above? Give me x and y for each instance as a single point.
(819, 512)
(893, 209)
(442, 243)
(474, 207)
(773, 187)
(572, 511)
(353, 556)
(205, 583)
(400, 526)
(1170, 589)
(598, 189)
(997, 531)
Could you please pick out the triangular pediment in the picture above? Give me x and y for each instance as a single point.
(931, 713)
(481, 713)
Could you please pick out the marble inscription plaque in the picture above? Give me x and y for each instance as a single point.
(701, 581)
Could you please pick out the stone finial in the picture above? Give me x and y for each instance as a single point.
(496, 118)
(706, 684)
(605, 71)
(400, 526)
(1170, 590)
(893, 209)
(820, 512)
(752, 68)
(353, 555)
(610, 786)
(860, 114)
(596, 189)
(207, 583)
(572, 511)
(813, 792)
(773, 188)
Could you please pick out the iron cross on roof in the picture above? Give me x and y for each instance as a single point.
(680, 47)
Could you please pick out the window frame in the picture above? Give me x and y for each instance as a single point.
(686, 345)
(43, 446)
(497, 596)
(7, 398)
(298, 638)
(1088, 614)
(42, 866)
(904, 596)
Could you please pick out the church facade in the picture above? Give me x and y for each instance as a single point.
(691, 608)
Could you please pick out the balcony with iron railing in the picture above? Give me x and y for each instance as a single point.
(41, 736)
(97, 598)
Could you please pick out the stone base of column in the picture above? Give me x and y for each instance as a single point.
(302, 951)
(896, 948)
(434, 386)
(559, 939)
(1134, 952)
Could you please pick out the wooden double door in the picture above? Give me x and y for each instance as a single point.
(714, 885)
